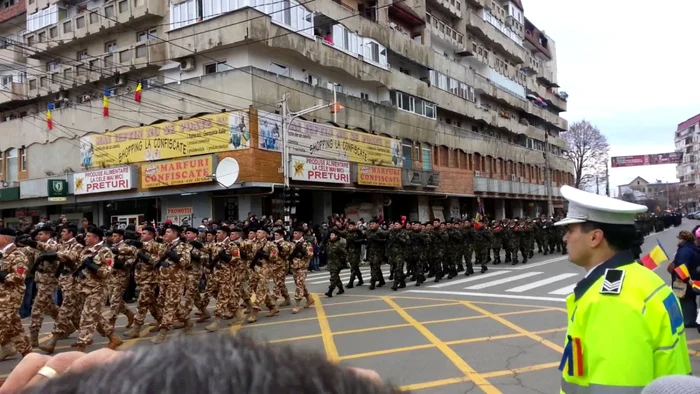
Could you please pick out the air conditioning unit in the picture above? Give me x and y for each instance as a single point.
(61, 96)
(520, 179)
(120, 80)
(513, 177)
(187, 64)
(477, 174)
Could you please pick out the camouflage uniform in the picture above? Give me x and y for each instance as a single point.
(529, 239)
(211, 287)
(439, 244)
(124, 258)
(93, 277)
(468, 246)
(69, 313)
(226, 257)
(482, 244)
(244, 271)
(265, 256)
(147, 280)
(44, 269)
(354, 240)
(337, 258)
(539, 234)
(279, 271)
(497, 242)
(376, 241)
(417, 248)
(511, 244)
(171, 282)
(398, 241)
(552, 237)
(194, 276)
(301, 255)
(521, 234)
(453, 251)
(14, 267)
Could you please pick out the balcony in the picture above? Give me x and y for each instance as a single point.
(452, 7)
(13, 91)
(19, 8)
(499, 186)
(98, 20)
(10, 53)
(551, 97)
(503, 38)
(445, 34)
(532, 37)
(546, 77)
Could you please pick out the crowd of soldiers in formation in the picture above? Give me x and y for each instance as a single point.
(646, 223)
(93, 267)
(435, 249)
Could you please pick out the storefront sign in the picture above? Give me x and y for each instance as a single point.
(177, 172)
(9, 194)
(102, 181)
(647, 160)
(269, 131)
(325, 141)
(378, 176)
(311, 169)
(179, 211)
(57, 189)
(197, 136)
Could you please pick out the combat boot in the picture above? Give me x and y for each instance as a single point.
(189, 327)
(253, 316)
(402, 282)
(381, 281)
(360, 282)
(297, 304)
(329, 293)
(249, 306)
(34, 339)
(8, 351)
(391, 275)
(114, 341)
(395, 286)
(50, 346)
(484, 269)
(134, 332)
(287, 301)
(204, 316)
(309, 301)
(352, 280)
(213, 326)
(130, 318)
(340, 289)
(160, 338)
(113, 322)
(273, 311)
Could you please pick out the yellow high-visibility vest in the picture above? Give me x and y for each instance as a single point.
(625, 329)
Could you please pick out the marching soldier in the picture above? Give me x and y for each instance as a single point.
(13, 270)
(224, 257)
(337, 256)
(376, 241)
(124, 257)
(242, 269)
(146, 279)
(171, 280)
(395, 246)
(211, 286)
(44, 270)
(300, 257)
(93, 276)
(194, 273)
(279, 271)
(265, 255)
(354, 239)
(497, 241)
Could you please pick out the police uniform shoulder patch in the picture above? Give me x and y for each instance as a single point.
(612, 281)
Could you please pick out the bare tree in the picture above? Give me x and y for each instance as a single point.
(588, 152)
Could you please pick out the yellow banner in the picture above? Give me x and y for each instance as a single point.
(183, 138)
(177, 172)
(379, 176)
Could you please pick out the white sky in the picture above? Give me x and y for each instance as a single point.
(630, 68)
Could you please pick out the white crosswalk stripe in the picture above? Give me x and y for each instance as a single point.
(541, 283)
(502, 281)
(564, 290)
(450, 282)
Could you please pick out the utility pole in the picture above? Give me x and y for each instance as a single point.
(548, 178)
(597, 185)
(607, 180)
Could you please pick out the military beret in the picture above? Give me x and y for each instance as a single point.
(225, 229)
(351, 223)
(149, 229)
(119, 232)
(191, 230)
(108, 233)
(336, 232)
(265, 229)
(72, 229)
(96, 231)
(131, 234)
(45, 229)
(299, 230)
(236, 230)
(212, 232)
(8, 232)
(280, 232)
(130, 227)
(176, 228)
(374, 221)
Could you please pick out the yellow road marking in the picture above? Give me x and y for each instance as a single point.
(454, 319)
(514, 327)
(693, 341)
(462, 365)
(326, 333)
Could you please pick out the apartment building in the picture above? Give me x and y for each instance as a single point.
(687, 140)
(446, 104)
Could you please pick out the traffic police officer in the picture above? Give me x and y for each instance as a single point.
(625, 324)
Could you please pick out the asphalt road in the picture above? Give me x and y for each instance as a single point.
(498, 332)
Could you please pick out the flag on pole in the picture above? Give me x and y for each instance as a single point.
(105, 102)
(479, 210)
(49, 119)
(137, 95)
(682, 272)
(696, 285)
(655, 257)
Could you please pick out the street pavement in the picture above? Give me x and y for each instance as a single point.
(497, 332)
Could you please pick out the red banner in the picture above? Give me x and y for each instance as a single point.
(646, 160)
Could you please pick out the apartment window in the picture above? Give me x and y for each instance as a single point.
(53, 32)
(42, 37)
(185, 13)
(215, 68)
(374, 53)
(414, 104)
(145, 35)
(32, 84)
(68, 75)
(278, 69)
(12, 165)
(23, 159)
(123, 6)
(80, 70)
(42, 82)
(42, 18)
(53, 66)
(364, 96)
(94, 18)
(344, 39)
(80, 22)
(111, 47)
(125, 56)
(109, 11)
(68, 27)
(142, 51)
(31, 41)
(81, 55)
(407, 153)
(94, 65)
(312, 80)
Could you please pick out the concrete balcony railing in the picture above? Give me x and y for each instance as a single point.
(135, 56)
(452, 7)
(510, 43)
(10, 53)
(532, 37)
(12, 92)
(445, 33)
(12, 11)
(489, 185)
(543, 92)
(104, 18)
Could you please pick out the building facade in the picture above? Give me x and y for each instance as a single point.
(446, 103)
(687, 139)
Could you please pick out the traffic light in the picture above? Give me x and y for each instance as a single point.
(291, 200)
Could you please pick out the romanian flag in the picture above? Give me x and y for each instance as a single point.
(572, 359)
(49, 119)
(137, 95)
(682, 272)
(479, 210)
(696, 285)
(105, 103)
(655, 257)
